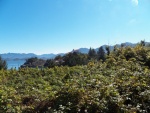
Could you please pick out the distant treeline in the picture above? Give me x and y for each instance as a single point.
(77, 58)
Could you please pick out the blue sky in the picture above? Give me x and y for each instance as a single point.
(55, 26)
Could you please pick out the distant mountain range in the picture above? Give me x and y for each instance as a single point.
(19, 56)
(85, 50)
(22, 56)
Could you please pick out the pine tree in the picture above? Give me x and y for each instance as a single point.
(92, 54)
(108, 50)
(3, 64)
(101, 54)
(142, 43)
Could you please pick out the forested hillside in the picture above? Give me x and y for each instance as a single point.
(117, 83)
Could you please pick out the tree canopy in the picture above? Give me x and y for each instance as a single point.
(3, 64)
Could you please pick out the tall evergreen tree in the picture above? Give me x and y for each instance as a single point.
(3, 64)
(123, 45)
(142, 43)
(108, 50)
(101, 54)
(92, 54)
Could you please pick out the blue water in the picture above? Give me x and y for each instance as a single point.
(14, 63)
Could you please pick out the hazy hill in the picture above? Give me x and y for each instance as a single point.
(17, 56)
(48, 56)
(85, 50)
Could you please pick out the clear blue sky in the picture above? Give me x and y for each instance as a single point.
(55, 26)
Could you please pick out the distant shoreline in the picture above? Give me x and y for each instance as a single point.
(15, 63)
